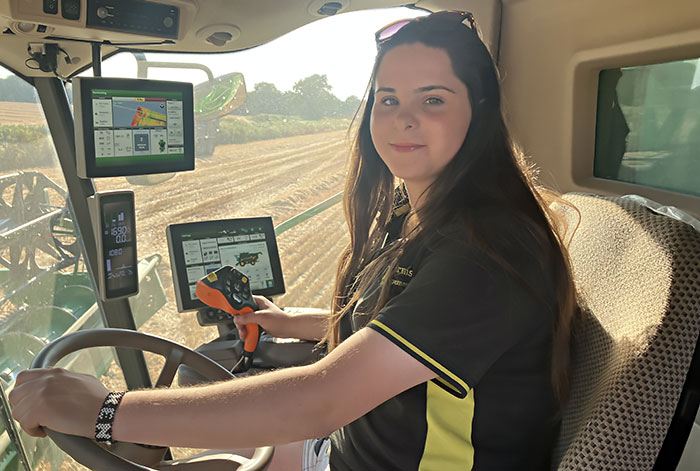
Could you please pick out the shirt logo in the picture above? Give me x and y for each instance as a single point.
(401, 277)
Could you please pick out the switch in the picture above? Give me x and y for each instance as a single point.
(70, 9)
(51, 6)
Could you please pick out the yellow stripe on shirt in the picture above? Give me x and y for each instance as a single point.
(448, 441)
(446, 376)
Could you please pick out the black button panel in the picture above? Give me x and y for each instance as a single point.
(131, 16)
(51, 7)
(70, 9)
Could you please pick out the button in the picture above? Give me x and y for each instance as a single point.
(237, 299)
(70, 9)
(168, 22)
(102, 13)
(51, 6)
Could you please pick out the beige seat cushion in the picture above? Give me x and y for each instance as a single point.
(639, 274)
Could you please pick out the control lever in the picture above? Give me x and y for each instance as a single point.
(229, 290)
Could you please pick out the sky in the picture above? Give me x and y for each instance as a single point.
(342, 47)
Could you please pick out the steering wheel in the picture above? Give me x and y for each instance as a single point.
(98, 458)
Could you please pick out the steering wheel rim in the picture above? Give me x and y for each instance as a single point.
(88, 452)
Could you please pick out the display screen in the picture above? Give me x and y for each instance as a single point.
(133, 127)
(119, 248)
(247, 244)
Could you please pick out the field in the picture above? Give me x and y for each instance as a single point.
(21, 113)
(278, 178)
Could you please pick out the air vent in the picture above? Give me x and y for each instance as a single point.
(330, 8)
(220, 38)
(324, 8)
(219, 35)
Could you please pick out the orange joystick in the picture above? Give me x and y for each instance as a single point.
(229, 290)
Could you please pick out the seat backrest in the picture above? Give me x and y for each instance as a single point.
(639, 275)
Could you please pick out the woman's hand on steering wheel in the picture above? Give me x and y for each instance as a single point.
(58, 399)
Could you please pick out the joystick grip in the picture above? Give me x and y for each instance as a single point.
(251, 338)
(229, 290)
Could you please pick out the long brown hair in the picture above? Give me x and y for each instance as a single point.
(487, 175)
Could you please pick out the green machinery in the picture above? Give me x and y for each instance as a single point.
(213, 99)
(45, 290)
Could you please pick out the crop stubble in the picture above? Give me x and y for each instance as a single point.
(279, 178)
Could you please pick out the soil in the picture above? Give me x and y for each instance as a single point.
(21, 113)
(278, 178)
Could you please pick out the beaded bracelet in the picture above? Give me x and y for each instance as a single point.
(105, 419)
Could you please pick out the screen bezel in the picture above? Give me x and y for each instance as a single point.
(178, 267)
(84, 129)
(125, 198)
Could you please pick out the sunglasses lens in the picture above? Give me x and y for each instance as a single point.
(390, 30)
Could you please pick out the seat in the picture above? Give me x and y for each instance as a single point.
(632, 400)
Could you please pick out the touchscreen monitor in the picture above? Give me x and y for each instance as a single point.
(132, 126)
(198, 248)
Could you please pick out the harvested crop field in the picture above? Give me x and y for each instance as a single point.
(278, 178)
(29, 114)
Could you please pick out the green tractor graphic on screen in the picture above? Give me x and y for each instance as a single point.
(245, 258)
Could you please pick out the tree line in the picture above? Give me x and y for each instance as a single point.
(13, 88)
(311, 98)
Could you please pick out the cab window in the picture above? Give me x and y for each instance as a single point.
(271, 140)
(648, 125)
(278, 147)
(45, 288)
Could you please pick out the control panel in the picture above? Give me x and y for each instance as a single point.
(131, 16)
(114, 222)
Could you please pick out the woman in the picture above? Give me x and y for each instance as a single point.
(449, 331)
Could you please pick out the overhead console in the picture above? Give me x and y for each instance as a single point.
(132, 126)
(139, 17)
(130, 16)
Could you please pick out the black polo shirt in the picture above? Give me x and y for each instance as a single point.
(487, 335)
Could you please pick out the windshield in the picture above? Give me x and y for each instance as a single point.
(271, 140)
(271, 133)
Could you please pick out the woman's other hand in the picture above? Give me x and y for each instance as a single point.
(305, 325)
(57, 399)
(272, 319)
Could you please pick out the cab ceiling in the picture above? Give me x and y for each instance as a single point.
(198, 25)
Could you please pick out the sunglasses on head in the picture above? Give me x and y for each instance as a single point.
(451, 17)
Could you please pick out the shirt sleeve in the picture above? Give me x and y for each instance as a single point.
(458, 315)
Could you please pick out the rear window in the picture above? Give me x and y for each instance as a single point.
(648, 126)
